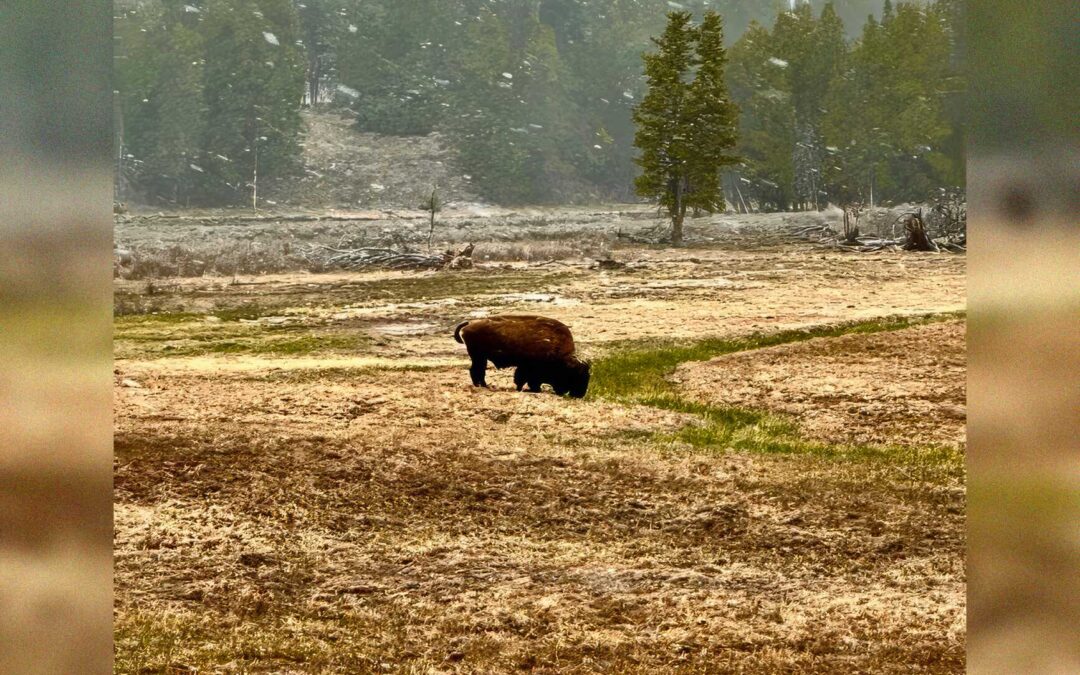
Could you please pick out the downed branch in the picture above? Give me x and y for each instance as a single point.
(949, 245)
(552, 261)
(366, 258)
(948, 217)
(807, 230)
(917, 236)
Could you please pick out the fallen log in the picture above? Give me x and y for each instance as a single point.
(367, 258)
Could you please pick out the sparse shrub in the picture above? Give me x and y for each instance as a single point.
(212, 257)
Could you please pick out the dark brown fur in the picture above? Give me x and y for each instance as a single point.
(542, 349)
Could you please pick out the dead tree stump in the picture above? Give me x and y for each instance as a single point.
(917, 238)
(461, 260)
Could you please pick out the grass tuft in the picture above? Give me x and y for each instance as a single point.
(639, 376)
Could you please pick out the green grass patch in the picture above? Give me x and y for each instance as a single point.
(638, 375)
(155, 318)
(634, 371)
(248, 311)
(193, 336)
(271, 344)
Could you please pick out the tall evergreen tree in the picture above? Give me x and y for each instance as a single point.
(488, 110)
(712, 119)
(393, 60)
(162, 109)
(817, 65)
(887, 122)
(254, 87)
(759, 86)
(604, 54)
(663, 134)
(550, 117)
(781, 79)
(319, 27)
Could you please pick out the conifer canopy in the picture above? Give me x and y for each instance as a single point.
(686, 123)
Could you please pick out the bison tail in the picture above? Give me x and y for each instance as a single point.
(457, 331)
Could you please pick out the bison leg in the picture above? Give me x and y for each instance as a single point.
(478, 371)
(520, 377)
(535, 383)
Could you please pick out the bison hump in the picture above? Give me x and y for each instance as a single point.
(521, 336)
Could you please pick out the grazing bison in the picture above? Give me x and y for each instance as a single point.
(542, 349)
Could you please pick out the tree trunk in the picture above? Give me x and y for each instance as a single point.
(255, 180)
(314, 77)
(118, 186)
(738, 191)
(680, 213)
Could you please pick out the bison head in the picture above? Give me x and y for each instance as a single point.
(574, 379)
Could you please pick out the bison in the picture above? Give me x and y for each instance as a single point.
(542, 349)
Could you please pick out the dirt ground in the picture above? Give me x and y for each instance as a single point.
(904, 387)
(658, 294)
(306, 482)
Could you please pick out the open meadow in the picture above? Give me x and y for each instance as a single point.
(767, 474)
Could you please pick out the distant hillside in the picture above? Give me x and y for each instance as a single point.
(344, 167)
(523, 102)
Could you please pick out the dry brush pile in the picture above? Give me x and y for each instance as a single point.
(939, 226)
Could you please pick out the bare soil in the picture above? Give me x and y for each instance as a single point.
(305, 481)
(904, 387)
(659, 294)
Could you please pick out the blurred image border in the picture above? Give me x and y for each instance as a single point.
(56, 352)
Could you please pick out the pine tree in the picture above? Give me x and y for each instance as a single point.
(603, 53)
(517, 129)
(319, 26)
(489, 150)
(760, 87)
(549, 115)
(161, 99)
(686, 129)
(663, 134)
(852, 126)
(793, 51)
(392, 57)
(712, 119)
(887, 122)
(254, 85)
(817, 68)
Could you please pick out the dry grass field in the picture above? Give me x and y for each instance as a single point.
(767, 474)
